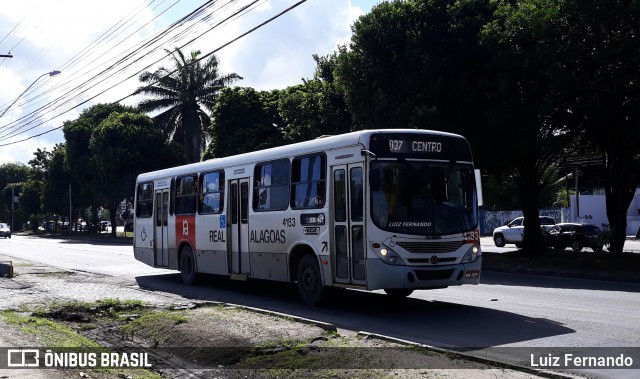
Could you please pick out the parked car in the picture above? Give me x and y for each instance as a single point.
(5, 231)
(574, 235)
(513, 231)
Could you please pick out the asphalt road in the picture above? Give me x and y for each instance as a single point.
(514, 312)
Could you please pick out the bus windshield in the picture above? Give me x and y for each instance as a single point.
(423, 198)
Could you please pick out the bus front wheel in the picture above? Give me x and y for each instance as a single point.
(187, 266)
(310, 281)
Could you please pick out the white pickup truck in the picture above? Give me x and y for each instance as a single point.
(513, 231)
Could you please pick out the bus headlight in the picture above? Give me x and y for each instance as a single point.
(472, 254)
(387, 255)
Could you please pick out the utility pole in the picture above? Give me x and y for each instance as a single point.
(70, 209)
(13, 201)
(576, 175)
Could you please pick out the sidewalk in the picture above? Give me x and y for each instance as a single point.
(565, 263)
(41, 284)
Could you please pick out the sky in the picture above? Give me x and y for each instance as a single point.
(101, 47)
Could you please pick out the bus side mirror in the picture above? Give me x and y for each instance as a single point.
(374, 180)
(479, 187)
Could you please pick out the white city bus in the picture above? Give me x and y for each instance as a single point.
(393, 209)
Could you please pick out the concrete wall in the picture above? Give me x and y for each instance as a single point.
(592, 209)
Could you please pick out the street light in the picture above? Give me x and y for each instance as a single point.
(6, 55)
(52, 73)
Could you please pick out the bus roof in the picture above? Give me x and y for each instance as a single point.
(299, 148)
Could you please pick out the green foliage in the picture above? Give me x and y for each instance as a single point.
(413, 64)
(51, 333)
(55, 194)
(77, 135)
(316, 107)
(523, 102)
(597, 72)
(12, 175)
(123, 146)
(244, 120)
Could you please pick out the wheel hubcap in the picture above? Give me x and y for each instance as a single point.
(309, 280)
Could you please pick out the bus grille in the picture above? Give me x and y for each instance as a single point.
(428, 260)
(431, 247)
(433, 274)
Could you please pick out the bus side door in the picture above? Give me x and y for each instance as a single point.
(238, 244)
(161, 229)
(347, 250)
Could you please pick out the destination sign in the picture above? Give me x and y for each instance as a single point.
(420, 145)
(398, 145)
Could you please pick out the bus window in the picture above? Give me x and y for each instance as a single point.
(144, 203)
(211, 193)
(424, 198)
(340, 201)
(186, 190)
(308, 176)
(356, 194)
(271, 188)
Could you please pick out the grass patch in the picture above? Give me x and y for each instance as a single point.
(51, 333)
(154, 326)
(51, 328)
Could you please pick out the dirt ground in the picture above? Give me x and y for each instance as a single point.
(44, 307)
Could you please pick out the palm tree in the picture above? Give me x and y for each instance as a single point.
(185, 96)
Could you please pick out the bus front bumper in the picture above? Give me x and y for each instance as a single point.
(381, 275)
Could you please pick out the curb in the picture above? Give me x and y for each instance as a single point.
(566, 275)
(468, 357)
(77, 237)
(332, 328)
(320, 324)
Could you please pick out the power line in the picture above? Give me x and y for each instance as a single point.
(15, 130)
(31, 115)
(203, 57)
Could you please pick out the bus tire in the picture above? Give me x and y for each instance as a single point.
(398, 292)
(188, 266)
(310, 280)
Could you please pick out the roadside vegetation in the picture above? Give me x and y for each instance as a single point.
(223, 341)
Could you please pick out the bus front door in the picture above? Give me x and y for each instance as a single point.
(161, 229)
(238, 244)
(348, 250)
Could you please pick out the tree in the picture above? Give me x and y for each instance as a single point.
(316, 107)
(245, 120)
(55, 190)
(415, 64)
(77, 134)
(598, 79)
(123, 146)
(524, 104)
(12, 178)
(185, 96)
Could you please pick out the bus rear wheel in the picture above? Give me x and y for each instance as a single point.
(398, 292)
(188, 266)
(310, 281)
